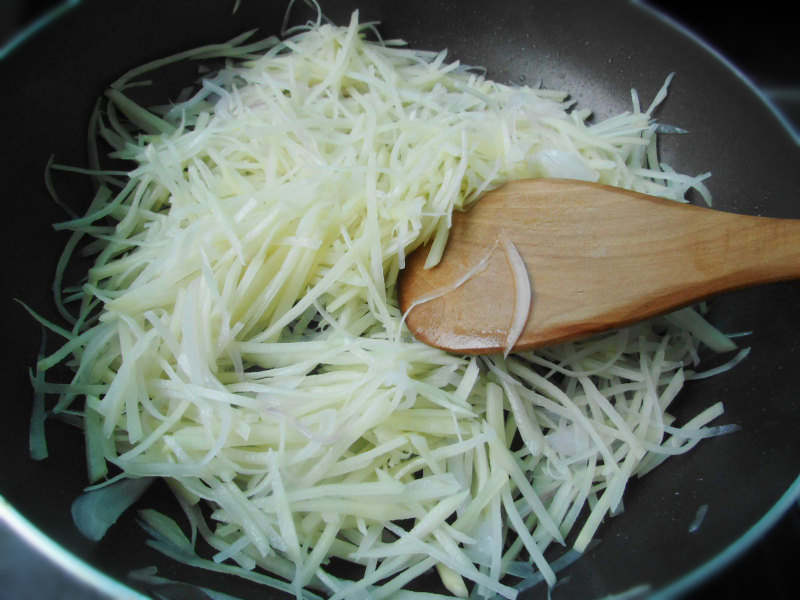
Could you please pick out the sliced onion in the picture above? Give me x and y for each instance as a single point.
(96, 510)
(522, 293)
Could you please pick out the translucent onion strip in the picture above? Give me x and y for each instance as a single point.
(522, 293)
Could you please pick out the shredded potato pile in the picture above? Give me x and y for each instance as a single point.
(239, 333)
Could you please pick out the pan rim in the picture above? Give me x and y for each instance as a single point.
(725, 61)
(706, 571)
(63, 558)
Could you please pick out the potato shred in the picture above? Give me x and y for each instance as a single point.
(239, 333)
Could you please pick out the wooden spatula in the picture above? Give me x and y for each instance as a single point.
(597, 258)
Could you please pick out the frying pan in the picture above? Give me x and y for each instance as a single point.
(598, 52)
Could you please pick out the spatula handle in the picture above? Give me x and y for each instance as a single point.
(737, 251)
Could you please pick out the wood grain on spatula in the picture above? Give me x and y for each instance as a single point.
(598, 258)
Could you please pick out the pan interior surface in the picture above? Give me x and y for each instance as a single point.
(597, 53)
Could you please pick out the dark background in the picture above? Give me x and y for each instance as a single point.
(761, 40)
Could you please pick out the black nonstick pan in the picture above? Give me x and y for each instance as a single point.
(597, 51)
